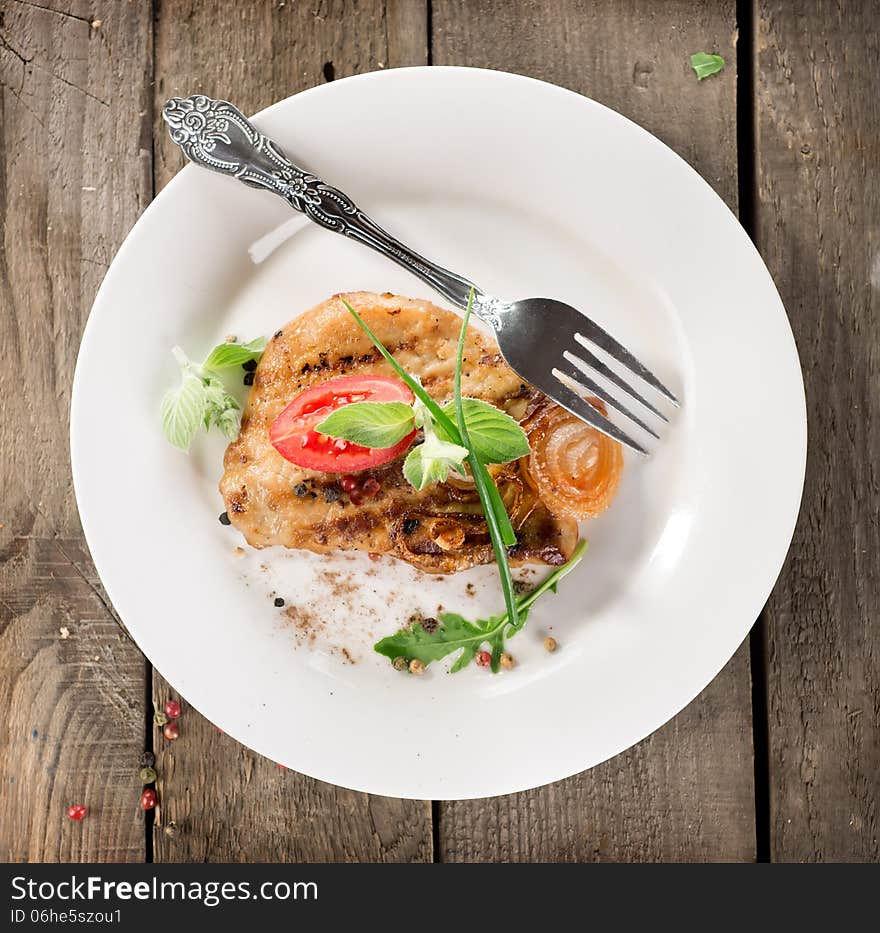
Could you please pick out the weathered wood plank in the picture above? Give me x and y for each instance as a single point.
(226, 803)
(75, 79)
(818, 213)
(687, 792)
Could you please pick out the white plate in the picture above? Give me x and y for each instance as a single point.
(529, 190)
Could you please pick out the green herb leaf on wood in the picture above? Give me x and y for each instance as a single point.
(705, 65)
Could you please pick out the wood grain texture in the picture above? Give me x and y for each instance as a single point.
(74, 81)
(223, 802)
(818, 212)
(687, 792)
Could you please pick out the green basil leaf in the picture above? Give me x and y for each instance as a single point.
(370, 424)
(705, 65)
(184, 408)
(493, 435)
(225, 355)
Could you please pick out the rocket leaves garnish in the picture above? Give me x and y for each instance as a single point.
(455, 633)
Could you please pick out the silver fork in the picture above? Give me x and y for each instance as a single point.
(549, 343)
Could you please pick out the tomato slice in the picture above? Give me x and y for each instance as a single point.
(294, 436)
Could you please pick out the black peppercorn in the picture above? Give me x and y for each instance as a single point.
(224, 519)
(331, 493)
(148, 759)
(300, 490)
(248, 379)
(279, 602)
(430, 626)
(410, 525)
(249, 366)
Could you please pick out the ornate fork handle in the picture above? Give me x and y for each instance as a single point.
(216, 135)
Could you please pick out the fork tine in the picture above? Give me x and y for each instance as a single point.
(580, 378)
(572, 402)
(593, 362)
(593, 332)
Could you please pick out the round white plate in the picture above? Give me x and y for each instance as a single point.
(527, 189)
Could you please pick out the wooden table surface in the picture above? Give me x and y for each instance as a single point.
(778, 759)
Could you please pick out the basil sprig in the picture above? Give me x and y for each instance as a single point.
(201, 398)
(501, 532)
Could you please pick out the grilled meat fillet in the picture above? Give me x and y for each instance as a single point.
(440, 529)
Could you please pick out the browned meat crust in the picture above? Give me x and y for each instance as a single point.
(441, 529)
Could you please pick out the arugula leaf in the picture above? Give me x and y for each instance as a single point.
(370, 424)
(494, 436)
(431, 461)
(705, 65)
(225, 355)
(184, 408)
(454, 633)
(458, 634)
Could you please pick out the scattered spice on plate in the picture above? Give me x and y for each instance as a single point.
(279, 602)
(416, 666)
(225, 519)
(507, 661)
(550, 643)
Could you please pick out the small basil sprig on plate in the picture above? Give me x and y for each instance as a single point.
(455, 633)
(228, 354)
(201, 398)
(501, 532)
(705, 65)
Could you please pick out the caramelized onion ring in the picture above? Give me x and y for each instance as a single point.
(576, 468)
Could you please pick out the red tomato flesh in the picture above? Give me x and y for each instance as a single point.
(294, 436)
